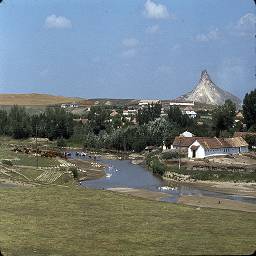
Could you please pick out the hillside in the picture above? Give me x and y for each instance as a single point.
(34, 99)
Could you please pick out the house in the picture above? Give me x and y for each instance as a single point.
(145, 103)
(190, 113)
(206, 147)
(70, 105)
(113, 113)
(183, 143)
(182, 103)
(130, 112)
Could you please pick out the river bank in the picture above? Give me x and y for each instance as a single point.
(216, 203)
(229, 187)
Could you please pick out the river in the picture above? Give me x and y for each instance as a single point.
(122, 173)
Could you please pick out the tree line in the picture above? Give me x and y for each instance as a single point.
(54, 123)
(116, 132)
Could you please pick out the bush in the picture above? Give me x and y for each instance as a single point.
(74, 171)
(61, 143)
(7, 162)
(157, 166)
(154, 164)
(170, 155)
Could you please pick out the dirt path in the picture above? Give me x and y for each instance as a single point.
(217, 203)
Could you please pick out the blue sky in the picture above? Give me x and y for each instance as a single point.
(126, 49)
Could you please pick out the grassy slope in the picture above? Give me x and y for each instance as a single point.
(73, 221)
(34, 99)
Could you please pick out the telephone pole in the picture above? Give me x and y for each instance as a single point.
(36, 150)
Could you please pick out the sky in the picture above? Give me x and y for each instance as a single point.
(154, 49)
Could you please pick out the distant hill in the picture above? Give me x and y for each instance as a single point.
(112, 102)
(34, 99)
(207, 92)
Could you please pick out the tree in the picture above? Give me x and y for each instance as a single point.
(3, 122)
(150, 113)
(249, 109)
(175, 116)
(224, 117)
(99, 118)
(19, 121)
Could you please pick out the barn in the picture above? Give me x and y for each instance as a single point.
(206, 147)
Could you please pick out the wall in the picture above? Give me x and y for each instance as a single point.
(244, 149)
(200, 152)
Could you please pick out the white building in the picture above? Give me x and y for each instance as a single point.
(130, 112)
(182, 103)
(145, 103)
(70, 105)
(190, 113)
(206, 147)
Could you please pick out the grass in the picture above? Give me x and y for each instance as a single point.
(61, 221)
(28, 160)
(21, 159)
(217, 175)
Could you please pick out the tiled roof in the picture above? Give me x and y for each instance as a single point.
(210, 143)
(181, 141)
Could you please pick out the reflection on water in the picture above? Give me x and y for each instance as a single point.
(122, 173)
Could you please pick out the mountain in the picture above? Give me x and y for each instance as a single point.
(34, 99)
(209, 93)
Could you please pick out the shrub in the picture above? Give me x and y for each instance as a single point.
(7, 162)
(61, 143)
(170, 155)
(157, 166)
(74, 171)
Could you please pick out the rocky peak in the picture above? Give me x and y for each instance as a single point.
(205, 76)
(209, 93)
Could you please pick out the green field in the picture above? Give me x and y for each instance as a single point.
(59, 221)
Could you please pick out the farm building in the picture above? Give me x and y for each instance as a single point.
(205, 147)
(183, 143)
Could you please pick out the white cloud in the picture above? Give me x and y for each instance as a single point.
(246, 24)
(211, 35)
(54, 21)
(152, 29)
(155, 11)
(130, 42)
(130, 53)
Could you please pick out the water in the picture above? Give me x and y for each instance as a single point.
(122, 173)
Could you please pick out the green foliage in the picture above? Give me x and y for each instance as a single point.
(61, 143)
(157, 167)
(224, 117)
(99, 118)
(175, 116)
(154, 164)
(251, 140)
(19, 122)
(149, 113)
(7, 162)
(74, 171)
(218, 175)
(3, 122)
(249, 108)
(170, 155)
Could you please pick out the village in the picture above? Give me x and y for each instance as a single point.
(127, 128)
